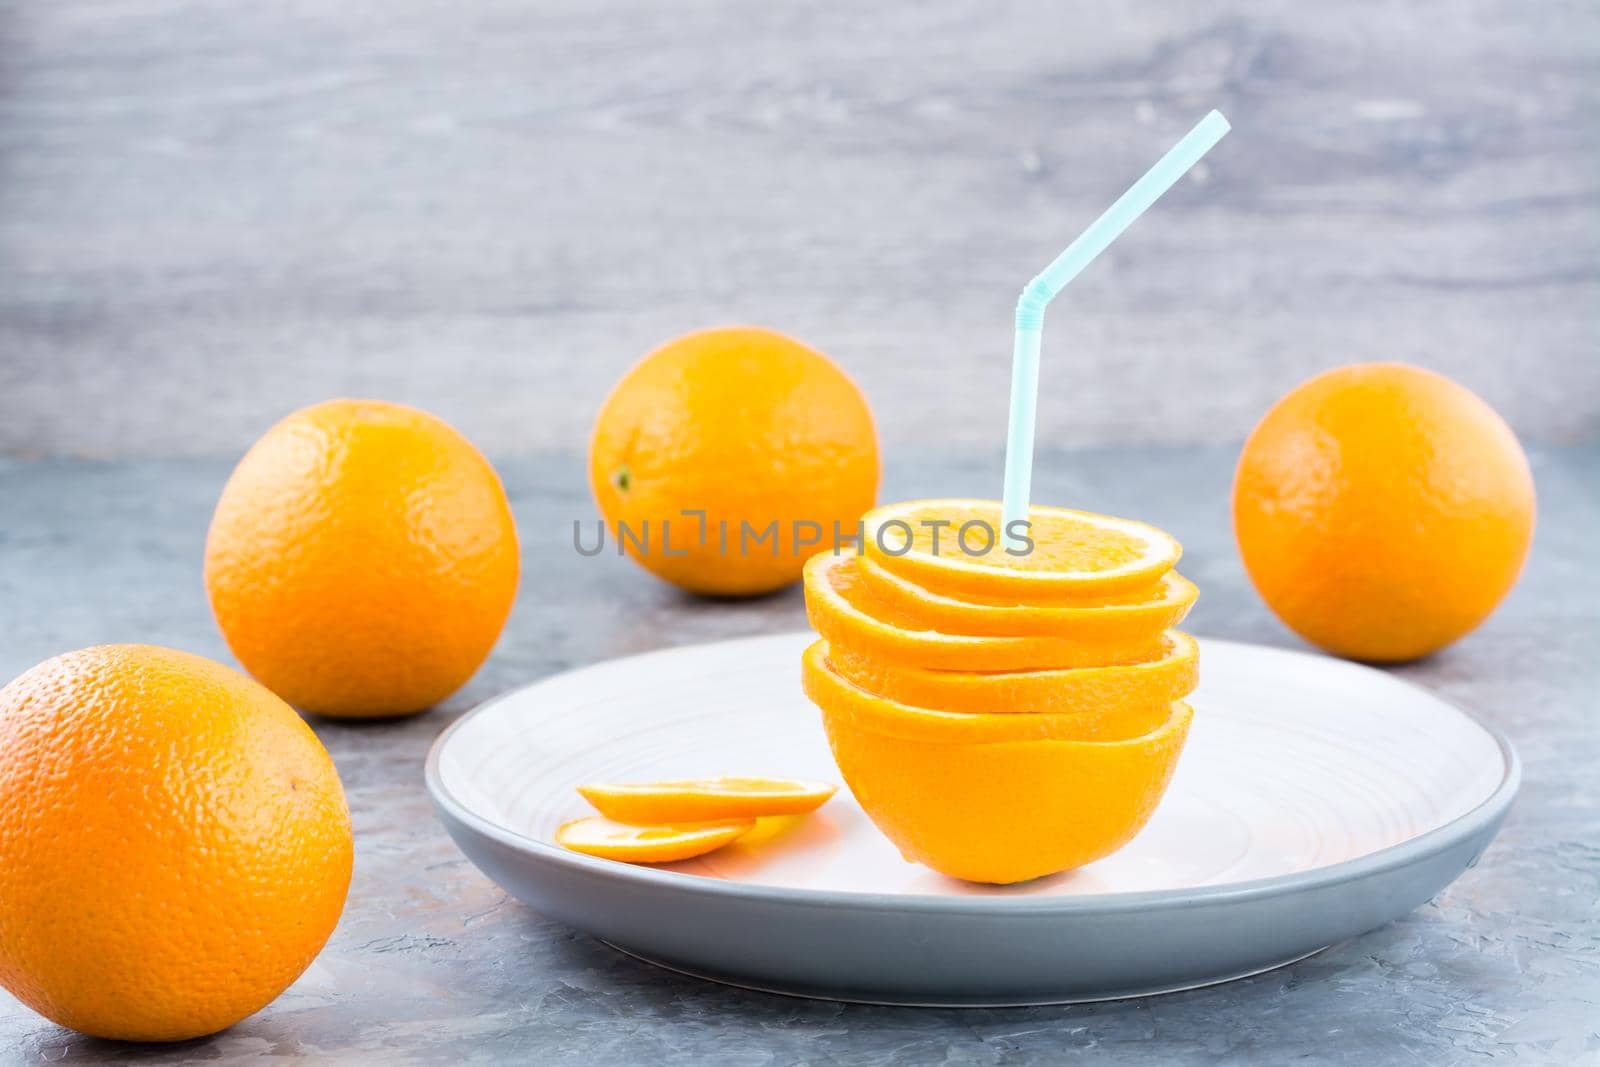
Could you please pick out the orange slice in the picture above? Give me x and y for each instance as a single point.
(864, 710)
(1012, 811)
(706, 799)
(1075, 553)
(1134, 614)
(597, 836)
(1155, 683)
(845, 612)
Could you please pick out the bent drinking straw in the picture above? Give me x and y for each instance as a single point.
(1050, 281)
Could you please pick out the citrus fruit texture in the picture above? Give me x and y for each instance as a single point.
(1002, 717)
(1382, 511)
(849, 704)
(1172, 674)
(362, 559)
(956, 546)
(729, 456)
(174, 843)
(843, 609)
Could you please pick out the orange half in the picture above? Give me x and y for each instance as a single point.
(1155, 683)
(706, 799)
(956, 547)
(845, 612)
(1012, 811)
(1140, 613)
(862, 710)
(596, 836)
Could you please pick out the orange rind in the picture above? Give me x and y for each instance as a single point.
(1162, 605)
(866, 710)
(845, 612)
(1006, 812)
(1156, 682)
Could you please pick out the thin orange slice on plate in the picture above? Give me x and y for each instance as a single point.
(1157, 682)
(958, 546)
(848, 703)
(1140, 613)
(706, 799)
(598, 836)
(845, 612)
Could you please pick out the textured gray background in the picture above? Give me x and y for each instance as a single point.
(211, 213)
(433, 964)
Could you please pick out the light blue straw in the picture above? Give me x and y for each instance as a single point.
(1050, 281)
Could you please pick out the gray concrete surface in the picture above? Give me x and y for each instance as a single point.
(212, 213)
(433, 964)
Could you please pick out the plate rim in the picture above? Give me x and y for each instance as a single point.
(1464, 826)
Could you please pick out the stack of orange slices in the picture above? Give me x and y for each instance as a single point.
(1002, 715)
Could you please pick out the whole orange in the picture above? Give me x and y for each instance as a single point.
(174, 843)
(362, 560)
(726, 457)
(1382, 510)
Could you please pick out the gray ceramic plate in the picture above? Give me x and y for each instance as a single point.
(1316, 799)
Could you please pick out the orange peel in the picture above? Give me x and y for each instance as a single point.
(1012, 811)
(1079, 690)
(865, 710)
(845, 612)
(1160, 606)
